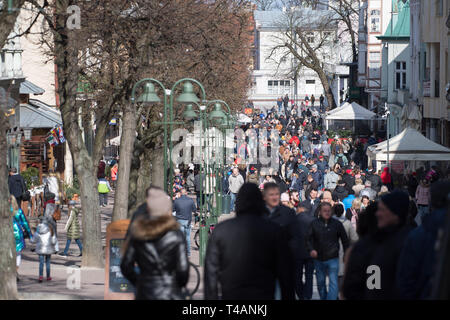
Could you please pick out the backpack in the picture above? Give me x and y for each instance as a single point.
(340, 161)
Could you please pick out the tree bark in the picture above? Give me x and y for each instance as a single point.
(126, 152)
(68, 166)
(8, 284)
(326, 87)
(8, 20)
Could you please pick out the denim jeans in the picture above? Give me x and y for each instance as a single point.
(330, 268)
(199, 203)
(186, 228)
(423, 211)
(304, 290)
(103, 197)
(69, 241)
(47, 258)
(233, 200)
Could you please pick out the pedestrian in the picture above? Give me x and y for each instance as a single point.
(322, 99)
(73, 230)
(235, 182)
(103, 189)
(313, 100)
(348, 201)
(422, 198)
(350, 231)
(184, 207)
(21, 229)
(45, 240)
(190, 181)
(311, 203)
(17, 186)
(114, 171)
(386, 178)
(352, 213)
(368, 191)
(246, 256)
(358, 187)
(382, 249)
(199, 187)
(304, 263)
(157, 246)
(331, 178)
(253, 176)
(323, 244)
(417, 262)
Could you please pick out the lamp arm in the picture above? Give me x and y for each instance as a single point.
(133, 91)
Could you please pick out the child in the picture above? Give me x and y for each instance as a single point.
(103, 189)
(73, 229)
(45, 239)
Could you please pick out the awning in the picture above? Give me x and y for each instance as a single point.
(39, 115)
(28, 87)
(351, 111)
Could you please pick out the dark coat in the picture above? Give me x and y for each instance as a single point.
(418, 258)
(340, 192)
(383, 250)
(158, 248)
(311, 209)
(324, 238)
(349, 181)
(376, 182)
(16, 185)
(245, 256)
(304, 222)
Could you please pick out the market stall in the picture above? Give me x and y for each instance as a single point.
(349, 112)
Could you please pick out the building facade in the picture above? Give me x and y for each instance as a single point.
(272, 71)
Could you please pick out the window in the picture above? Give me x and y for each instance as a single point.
(328, 35)
(439, 7)
(375, 21)
(310, 37)
(375, 56)
(374, 70)
(310, 81)
(400, 75)
(278, 87)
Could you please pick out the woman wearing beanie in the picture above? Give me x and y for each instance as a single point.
(382, 250)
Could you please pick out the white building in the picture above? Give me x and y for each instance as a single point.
(272, 73)
(396, 66)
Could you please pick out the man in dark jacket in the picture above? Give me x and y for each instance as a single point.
(184, 207)
(340, 192)
(16, 185)
(375, 180)
(323, 244)
(247, 255)
(304, 262)
(312, 202)
(417, 261)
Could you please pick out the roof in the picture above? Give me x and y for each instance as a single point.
(399, 26)
(37, 114)
(410, 145)
(351, 111)
(273, 19)
(28, 87)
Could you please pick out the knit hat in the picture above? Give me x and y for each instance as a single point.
(160, 203)
(398, 202)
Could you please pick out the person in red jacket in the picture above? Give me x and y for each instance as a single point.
(295, 139)
(386, 178)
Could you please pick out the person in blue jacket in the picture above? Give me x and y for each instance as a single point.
(21, 229)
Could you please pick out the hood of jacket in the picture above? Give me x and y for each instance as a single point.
(43, 228)
(152, 228)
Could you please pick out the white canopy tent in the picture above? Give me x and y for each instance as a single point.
(409, 145)
(243, 118)
(349, 111)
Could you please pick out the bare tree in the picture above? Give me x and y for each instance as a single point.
(265, 5)
(310, 38)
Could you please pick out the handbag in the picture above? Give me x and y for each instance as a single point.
(57, 214)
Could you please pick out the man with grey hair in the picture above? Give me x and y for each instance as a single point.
(235, 182)
(368, 191)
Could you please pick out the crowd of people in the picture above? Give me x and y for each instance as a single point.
(324, 210)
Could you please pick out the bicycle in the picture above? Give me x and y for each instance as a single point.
(190, 294)
(197, 234)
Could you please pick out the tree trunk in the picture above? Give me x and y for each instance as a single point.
(68, 166)
(326, 87)
(8, 284)
(8, 20)
(145, 175)
(126, 152)
(92, 236)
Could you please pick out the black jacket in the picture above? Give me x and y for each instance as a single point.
(245, 256)
(324, 238)
(383, 250)
(16, 185)
(304, 222)
(310, 207)
(340, 192)
(158, 248)
(376, 182)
